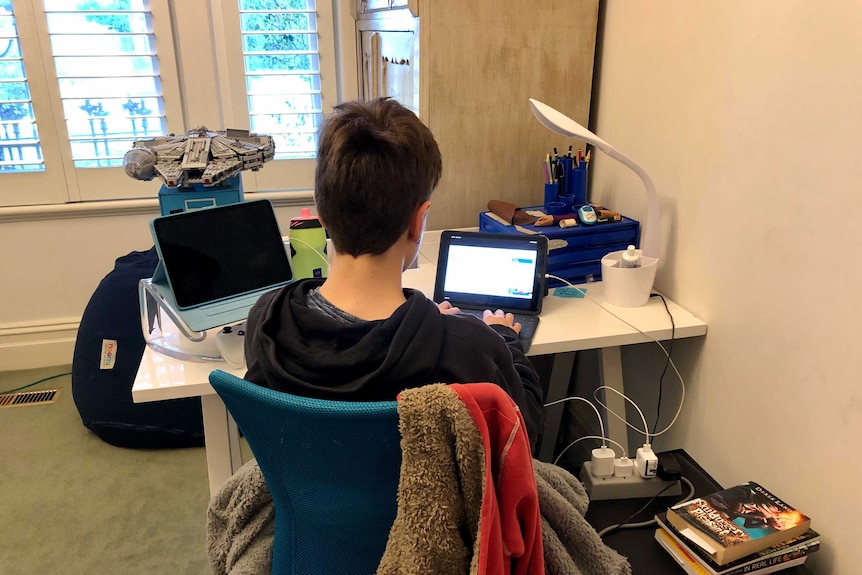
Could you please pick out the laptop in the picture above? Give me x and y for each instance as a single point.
(216, 262)
(478, 271)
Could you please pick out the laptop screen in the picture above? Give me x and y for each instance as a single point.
(217, 253)
(476, 269)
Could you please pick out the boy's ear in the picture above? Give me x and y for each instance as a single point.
(417, 222)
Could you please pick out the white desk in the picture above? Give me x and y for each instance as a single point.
(566, 326)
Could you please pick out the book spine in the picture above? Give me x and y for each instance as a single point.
(666, 521)
(775, 560)
(683, 557)
(780, 567)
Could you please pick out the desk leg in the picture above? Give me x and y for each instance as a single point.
(222, 442)
(612, 376)
(558, 387)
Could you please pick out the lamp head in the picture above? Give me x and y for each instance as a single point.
(562, 124)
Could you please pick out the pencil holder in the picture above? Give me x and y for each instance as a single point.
(551, 193)
(577, 184)
(569, 201)
(568, 165)
(627, 287)
(555, 208)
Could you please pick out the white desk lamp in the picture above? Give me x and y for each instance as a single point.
(561, 124)
(626, 287)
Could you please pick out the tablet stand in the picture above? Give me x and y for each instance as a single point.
(166, 332)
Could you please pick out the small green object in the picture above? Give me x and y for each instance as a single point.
(567, 291)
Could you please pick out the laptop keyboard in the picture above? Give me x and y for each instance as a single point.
(528, 323)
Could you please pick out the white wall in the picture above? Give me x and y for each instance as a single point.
(748, 117)
(52, 266)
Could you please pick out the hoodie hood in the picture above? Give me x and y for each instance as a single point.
(322, 357)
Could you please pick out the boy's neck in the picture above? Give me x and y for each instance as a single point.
(367, 286)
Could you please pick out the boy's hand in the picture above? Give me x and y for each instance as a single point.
(447, 308)
(500, 318)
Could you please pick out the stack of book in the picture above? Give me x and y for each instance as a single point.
(743, 529)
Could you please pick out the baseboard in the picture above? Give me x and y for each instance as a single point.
(31, 345)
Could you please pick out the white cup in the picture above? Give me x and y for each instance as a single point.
(628, 287)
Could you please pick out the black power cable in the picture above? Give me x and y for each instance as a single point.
(666, 363)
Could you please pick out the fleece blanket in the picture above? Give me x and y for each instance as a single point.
(571, 545)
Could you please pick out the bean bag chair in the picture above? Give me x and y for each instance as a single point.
(108, 350)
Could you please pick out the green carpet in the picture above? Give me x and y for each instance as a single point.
(71, 504)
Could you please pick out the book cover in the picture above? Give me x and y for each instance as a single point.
(792, 549)
(691, 566)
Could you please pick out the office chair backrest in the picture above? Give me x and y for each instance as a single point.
(333, 470)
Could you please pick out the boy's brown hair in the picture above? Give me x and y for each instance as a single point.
(376, 163)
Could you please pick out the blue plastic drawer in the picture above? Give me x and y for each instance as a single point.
(584, 246)
(576, 273)
(559, 257)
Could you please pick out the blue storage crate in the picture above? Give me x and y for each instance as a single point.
(575, 253)
(198, 196)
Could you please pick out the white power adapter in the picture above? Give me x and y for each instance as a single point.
(646, 462)
(602, 461)
(623, 467)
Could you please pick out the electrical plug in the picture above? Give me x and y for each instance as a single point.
(646, 462)
(623, 467)
(603, 461)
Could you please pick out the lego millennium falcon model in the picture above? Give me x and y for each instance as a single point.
(200, 156)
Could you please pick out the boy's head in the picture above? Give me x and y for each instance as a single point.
(376, 164)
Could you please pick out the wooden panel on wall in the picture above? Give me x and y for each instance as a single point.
(481, 62)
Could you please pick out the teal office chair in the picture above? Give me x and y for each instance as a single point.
(332, 468)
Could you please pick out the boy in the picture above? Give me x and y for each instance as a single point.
(358, 335)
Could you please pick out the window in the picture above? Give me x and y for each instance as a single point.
(282, 81)
(107, 73)
(108, 77)
(98, 66)
(20, 150)
(282, 73)
(32, 166)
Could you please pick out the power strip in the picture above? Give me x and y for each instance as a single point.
(631, 487)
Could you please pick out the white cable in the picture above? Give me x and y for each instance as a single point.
(657, 342)
(645, 430)
(625, 525)
(623, 449)
(598, 415)
(311, 247)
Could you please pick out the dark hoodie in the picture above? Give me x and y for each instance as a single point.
(292, 348)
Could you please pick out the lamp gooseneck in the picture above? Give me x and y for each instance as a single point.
(562, 124)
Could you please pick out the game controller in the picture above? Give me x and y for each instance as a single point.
(230, 342)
